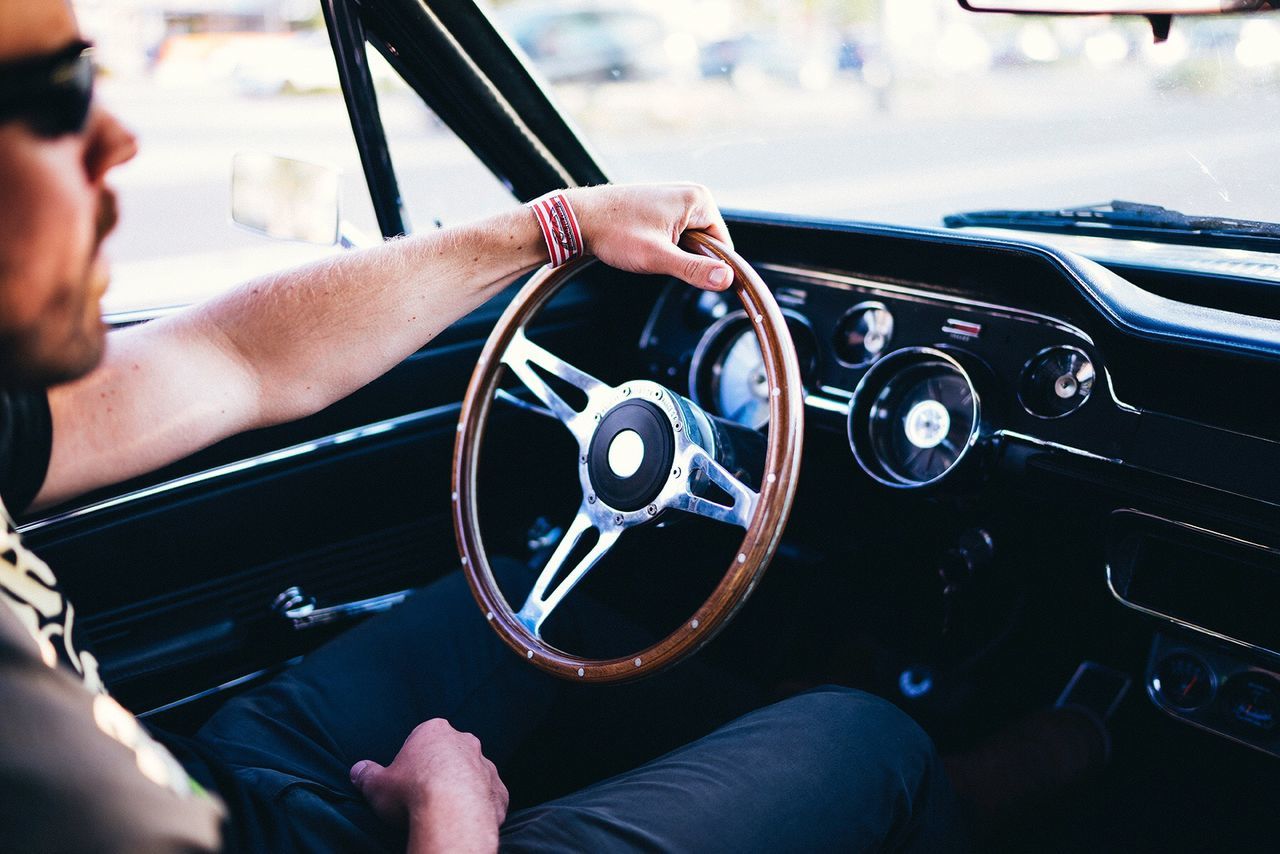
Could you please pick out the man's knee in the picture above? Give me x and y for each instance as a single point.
(858, 734)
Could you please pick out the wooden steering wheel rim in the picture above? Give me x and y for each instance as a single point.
(760, 541)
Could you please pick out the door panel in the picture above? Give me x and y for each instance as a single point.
(173, 575)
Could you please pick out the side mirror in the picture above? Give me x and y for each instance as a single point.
(286, 199)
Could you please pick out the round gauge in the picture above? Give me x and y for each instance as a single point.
(1056, 382)
(727, 376)
(863, 334)
(1183, 682)
(913, 418)
(1251, 703)
(741, 385)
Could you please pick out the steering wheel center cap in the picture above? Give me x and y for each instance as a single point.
(631, 455)
(626, 453)
(927, 424)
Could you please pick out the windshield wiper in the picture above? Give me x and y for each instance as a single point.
(1131, 221)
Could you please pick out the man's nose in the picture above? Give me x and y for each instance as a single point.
(110, 144)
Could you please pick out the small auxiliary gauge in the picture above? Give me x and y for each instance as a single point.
(863, 334)
(1056, 382)
(1183, 682)
(1251, 704)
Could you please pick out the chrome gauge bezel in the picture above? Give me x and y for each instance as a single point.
(874, 382)
(1160, 696)
(1026, 366)
(709, 346)
(862, 308)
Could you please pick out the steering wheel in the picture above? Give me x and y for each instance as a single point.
(643, 451)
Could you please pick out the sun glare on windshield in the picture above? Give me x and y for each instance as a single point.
(907, 111)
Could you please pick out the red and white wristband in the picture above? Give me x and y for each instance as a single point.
(559, 227)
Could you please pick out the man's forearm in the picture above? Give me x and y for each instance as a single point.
(317, 333)
(273, 349)
(286, 345)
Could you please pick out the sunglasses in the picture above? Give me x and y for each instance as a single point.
(50, 94)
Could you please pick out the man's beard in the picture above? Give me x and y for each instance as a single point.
(41, 356)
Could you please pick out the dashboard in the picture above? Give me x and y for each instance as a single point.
(924, 383)
(948, 369)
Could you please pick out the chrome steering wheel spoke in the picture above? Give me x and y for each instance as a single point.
(698, 464)
(544, 597)
(522, 355)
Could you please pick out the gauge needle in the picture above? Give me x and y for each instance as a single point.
(1186, 689)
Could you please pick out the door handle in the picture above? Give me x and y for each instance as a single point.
(300, 611)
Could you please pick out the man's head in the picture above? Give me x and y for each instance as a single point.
(55, 208)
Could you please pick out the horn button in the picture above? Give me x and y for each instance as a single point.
(631, 455)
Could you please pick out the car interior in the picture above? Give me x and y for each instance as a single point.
(1027, 478)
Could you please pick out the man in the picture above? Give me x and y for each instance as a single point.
(295, 766)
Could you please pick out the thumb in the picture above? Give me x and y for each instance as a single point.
(698, 270)
(364, 775)
(372, 781)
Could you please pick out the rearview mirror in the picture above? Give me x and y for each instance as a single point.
(286, 199)
(1116, 7)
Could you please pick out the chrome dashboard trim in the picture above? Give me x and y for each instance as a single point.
(378, 428)
(1054, 446)
(1168, 618)
(852, 283)
(818, 402)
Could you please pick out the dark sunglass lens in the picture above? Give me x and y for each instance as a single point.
(65, 108)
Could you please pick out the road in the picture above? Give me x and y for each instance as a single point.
(1051, 137)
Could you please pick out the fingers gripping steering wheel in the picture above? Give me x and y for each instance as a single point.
(666, 463)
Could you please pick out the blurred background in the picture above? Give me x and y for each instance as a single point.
(869, 109)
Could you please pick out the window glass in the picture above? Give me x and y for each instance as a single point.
(906, 111)
(199, 81)
(441, 180)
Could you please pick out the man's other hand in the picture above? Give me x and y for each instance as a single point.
(636, 227)
(442, 785)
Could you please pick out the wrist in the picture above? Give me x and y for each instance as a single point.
(447, 823)
(560, 225)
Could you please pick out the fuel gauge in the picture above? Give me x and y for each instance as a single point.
(1183, 682)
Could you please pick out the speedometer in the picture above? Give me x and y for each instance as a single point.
(727, 376)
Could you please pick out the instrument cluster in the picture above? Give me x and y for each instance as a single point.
(924, 384)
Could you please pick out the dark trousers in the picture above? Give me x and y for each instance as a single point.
(830, 769)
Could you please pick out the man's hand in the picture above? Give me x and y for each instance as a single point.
(635, 228)
(442, 785)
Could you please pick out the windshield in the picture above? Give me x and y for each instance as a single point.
(905, 112)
